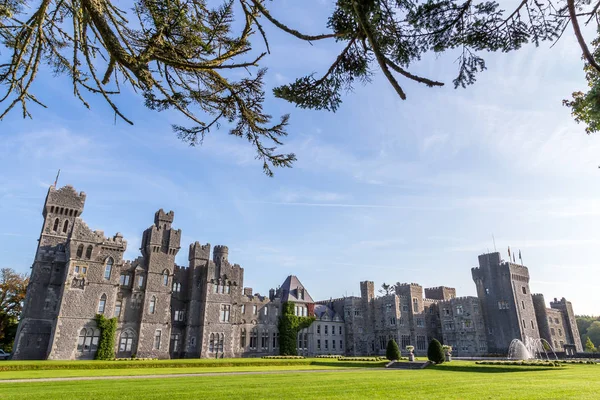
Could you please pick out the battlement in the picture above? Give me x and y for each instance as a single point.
(161, 217)
(116, 241)
(65, 201)
(489, 259)
(221, 249)
(440, 293)
(459, 299)
(410, 284)
(199, 251)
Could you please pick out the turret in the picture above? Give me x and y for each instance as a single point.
(199, 251)
(220, 254)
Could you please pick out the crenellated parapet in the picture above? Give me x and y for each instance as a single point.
(199, 251)
(64, 201)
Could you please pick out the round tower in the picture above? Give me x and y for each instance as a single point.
(220, 253)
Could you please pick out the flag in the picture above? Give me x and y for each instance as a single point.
(56, 180)
(520, 258)
(509, 253)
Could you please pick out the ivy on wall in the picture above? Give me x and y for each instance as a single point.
(289, 325)
(106, 345)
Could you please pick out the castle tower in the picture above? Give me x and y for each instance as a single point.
(506, 302)
(61, 208)
(199, 259)
(566, 308)
(160, 245)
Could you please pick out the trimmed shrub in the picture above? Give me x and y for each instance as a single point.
(392, 352)
(435, 352)
(106, 344)
(282, 357)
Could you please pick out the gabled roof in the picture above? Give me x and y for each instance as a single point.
(293, 290)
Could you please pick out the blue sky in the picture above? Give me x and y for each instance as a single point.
(384, 189)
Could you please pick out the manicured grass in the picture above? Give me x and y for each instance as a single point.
(57, 369)
(455, 380)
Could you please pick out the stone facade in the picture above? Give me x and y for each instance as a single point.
(165, 310)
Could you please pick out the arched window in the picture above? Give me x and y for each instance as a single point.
(126, 341)
(253, 338)
(88, 340)
(88, 252)
(108, 268)
(66, 226)
(56, 222)
(102, 304)
(221, 342)
(152, 305)
(80, 251)
(243, 338)
(211, 343)
(165, 278)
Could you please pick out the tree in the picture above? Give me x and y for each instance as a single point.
(435, 352)
(392, 351)
(386, 289)
(191, 57)
(12, 294)
(589, 346)
(593, 333)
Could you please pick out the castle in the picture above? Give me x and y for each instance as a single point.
(164, 310)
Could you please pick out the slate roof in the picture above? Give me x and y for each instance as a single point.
(293, 290)
(322, 310)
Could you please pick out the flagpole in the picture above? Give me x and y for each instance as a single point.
(56, 180)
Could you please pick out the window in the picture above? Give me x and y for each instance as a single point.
(215, 288)
(175, 341)
(253, 338)
(326, 344)
(556, 320)
(467, 323)
(157, 335)
(532, 325)
(264, 340)
(220, 342)
(88, 252)
(405, 339)
(84, 270)
(559, 332)
(152, 305)
(415, 305)
(340, 329)
(318, 344)
(88, 340)
(333, 344)
(243, 338)
(124, 280)
(333, 329)
(523, 323)
(243, 309)
(420, 342)
(266, 310)
(66, 226)
(80, 251)
(503, 305)
(420, 322)
(459, 310)
(326, 332)
(165, 278)
(382, 343)
(176, 287)
(102, 304)
(126, 341)
(275, 340)
(550, 319)
(318, 329)
(140, 281)
(77, 269)
(228, 289)
(179, 315)
(224, 315)
(254, 309)
(118, 306)
(523, 304)
(524, 289)
(341, 347)
(56, 222)
(108, 268)
(552, 331)
(193, 341)
(357, 312)
(404, 307)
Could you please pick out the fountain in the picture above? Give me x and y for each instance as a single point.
(532, 349)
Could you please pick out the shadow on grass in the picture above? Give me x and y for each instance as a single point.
(488, 369)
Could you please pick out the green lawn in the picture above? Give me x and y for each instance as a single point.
(455, 380)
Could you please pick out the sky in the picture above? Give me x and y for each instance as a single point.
(383, 190)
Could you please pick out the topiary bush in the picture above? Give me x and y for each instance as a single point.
(435, 352)
(392, 352)
(106, 344)
(289, 325)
